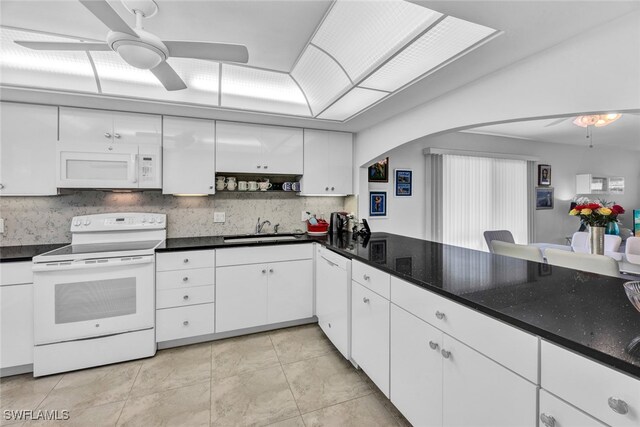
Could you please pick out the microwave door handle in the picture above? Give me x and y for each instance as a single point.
(136, 166)
(82, 265)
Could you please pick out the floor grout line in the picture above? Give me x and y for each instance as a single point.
(133, 383)
(49, 392)
(287, 380)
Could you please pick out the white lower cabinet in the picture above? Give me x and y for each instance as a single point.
(242, 297)
(333, 307)
(184, 322)
(557, 413)
(370, 334)
(16, 323)
(290, 289)
(416, 369)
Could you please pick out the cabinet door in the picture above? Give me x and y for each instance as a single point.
(82, 126)
(28, 136)
(332, 303)
(416, 369)
(316, 163)
(557, 413)
(188, 156)
(290, 290)
(340, 163)
(479, 392)
(370, 334)
(241, 297)
(16, 325)
(282, 150)
(132, 128)
(238, 148)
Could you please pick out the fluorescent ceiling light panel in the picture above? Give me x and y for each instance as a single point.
(447, 39)
(354, 101)
(320, 77)
(21, 66)
(360, 35)
(261, 90)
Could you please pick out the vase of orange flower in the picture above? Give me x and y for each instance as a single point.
(597, 217)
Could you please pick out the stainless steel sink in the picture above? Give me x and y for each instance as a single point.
(256, 238)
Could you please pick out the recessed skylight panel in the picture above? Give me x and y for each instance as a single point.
(447, 39)
(320, 77)
(45, 69)
(261, 90)
(362, 34)
(356, 100)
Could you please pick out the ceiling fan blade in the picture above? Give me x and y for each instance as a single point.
(168, 77)
(63, 46)
(109, 17)
(557, 122)
(212, 51)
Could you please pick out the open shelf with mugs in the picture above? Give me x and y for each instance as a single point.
(255, 183)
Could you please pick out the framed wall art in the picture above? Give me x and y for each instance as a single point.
(544, 175)
(377, 203)
(379, 172)
(404, 182)
(544, 198)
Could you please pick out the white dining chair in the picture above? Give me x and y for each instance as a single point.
(632, 250)
(580, 244)
(586, 262)
(531, 253)
(497, 235)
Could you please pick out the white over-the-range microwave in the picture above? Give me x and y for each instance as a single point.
(109, 165)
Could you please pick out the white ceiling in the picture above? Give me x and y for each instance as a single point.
(277, 31)
(623, 133)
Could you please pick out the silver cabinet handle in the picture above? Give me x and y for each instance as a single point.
(264, 271)
(446, 354)
(185, 278)
(116, 135)
(258, 166)
(547, 420)
(433, 345)
(333, 188)
(186, 260)
(439, 315)
(366, 277)
(107, 135)
(110, 148)
(186, 297)
(326, 189)
(211, 187)
(265, 167)
(1, 186)
(365, 300)
(185, 323)
(329, 324)
(271, 270)
(618, 405)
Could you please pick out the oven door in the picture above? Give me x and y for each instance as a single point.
(92, 298)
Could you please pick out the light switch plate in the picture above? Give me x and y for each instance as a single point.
(218, 217)
(1, 225)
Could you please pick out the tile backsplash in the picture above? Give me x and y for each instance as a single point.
(39, 220)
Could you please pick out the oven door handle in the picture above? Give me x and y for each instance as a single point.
(91, 264)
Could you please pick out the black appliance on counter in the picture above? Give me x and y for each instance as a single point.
(338, 223)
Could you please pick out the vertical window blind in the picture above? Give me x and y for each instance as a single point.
(479, 194)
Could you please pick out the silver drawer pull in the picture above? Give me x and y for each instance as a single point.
(547, 420)
(185, 278)
(439, 315)
(433, 345)
(185, 323)
(186, 297)
(618, 405)
(271, 270)
(264, 271)
(446, 354)
(116, 135)
(366, 277)
(186, 260)
(365, 300)
(107, 135)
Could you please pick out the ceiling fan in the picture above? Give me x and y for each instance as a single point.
(142, 49)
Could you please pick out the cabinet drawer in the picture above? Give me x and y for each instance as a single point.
(263, 254)
(179, 279)
(185, 259)
(16, 273)
(182, 297)
(184, 322)
(555, 412)
(333, 258)
(590, 385)
(507, 345)
(372, 278)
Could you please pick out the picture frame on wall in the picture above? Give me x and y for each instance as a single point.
(544, 198)
(377, 203)
(379, 172)
(404, 182)
(544, 175)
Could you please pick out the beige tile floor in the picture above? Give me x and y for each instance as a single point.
(290, 377)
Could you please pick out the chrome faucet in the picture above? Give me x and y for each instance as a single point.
(260, 225)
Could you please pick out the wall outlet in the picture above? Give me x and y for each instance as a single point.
(1, 225)
(218, 217)
(304, 216)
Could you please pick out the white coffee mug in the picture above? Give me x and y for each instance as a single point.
(220, 184)
(253, 185)
(264, 186)
(242, 186)
(231, 183)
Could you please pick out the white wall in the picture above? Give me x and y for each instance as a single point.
(406, 215)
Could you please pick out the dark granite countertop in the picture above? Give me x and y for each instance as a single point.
(27, 252)
(213, 242)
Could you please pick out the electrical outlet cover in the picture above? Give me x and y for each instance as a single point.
(218, 217)
(1, 225)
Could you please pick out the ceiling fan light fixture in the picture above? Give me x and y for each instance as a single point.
(597, 120)
(139, 55)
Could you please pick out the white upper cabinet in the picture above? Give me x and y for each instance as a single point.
(84, 126)
(28, 136)
(269, 150)
(188, 155)
(328, 163)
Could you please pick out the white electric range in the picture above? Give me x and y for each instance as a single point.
(94, 299)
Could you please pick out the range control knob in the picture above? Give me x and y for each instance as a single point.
(152, 220)
(87, 221)
(144, 220)
(77, 222)
(160, 220)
